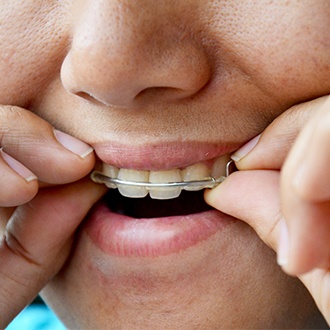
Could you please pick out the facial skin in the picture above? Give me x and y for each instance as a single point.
(135, 79)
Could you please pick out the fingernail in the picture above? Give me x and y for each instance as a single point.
(283, 245)
(73, 144)
(18, 167)
(244, 150)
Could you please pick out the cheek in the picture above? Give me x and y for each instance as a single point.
(32, 48)
(282, 46)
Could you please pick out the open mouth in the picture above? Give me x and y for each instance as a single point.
(139, 195)
(138, 220)
(189, 202)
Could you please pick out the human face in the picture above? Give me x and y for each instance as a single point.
(156, 86)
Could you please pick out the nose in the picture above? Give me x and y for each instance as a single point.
(125, 53)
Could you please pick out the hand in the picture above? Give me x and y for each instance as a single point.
(31, 149)
(37, 225)
(283, 191)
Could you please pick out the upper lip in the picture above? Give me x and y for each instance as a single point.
(160, 156)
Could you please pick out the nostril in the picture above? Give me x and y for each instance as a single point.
(101, 102)
(90, 98)
(161, 92)
(155, 90)
(85, 96)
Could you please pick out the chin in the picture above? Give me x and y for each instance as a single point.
(202, 270)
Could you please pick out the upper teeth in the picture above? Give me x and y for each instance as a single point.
(196, 172)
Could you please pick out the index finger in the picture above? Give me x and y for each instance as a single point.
(270, 149)
(53, 156)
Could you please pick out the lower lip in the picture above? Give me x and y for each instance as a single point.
(120, 235)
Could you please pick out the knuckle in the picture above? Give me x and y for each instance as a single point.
(16, 248)
(16, 191)
(10, 113)
(10, 118)
(272, 232)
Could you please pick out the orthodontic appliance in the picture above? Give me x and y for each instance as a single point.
(209, 182)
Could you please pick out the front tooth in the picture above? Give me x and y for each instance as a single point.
(219, 166)
(161, 177)
(195, 172)
(136, 176)
(111, 172)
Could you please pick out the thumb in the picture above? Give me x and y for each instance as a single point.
(253, 197)
(37, 240)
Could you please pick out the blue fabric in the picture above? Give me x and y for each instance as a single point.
(36, 317)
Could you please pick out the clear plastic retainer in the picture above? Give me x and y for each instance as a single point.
(210, 182)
